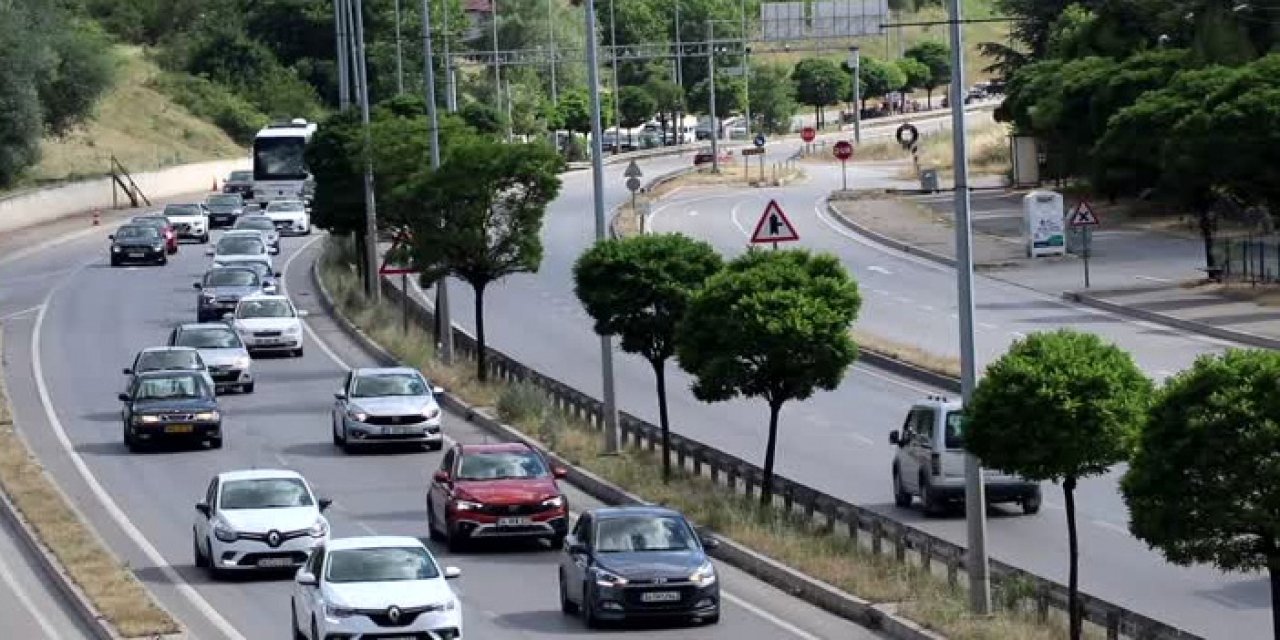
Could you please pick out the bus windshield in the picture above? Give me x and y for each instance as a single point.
(279, 158)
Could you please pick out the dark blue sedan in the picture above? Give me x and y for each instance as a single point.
(637, 562)
(170, 405)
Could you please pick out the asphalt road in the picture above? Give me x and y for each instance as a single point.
(78, 321)
(29, 606)
(837, 441)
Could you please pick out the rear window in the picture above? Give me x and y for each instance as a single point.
(242, 176)
(954, 436)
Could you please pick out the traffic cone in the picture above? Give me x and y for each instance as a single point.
(96, 215)
(215, 184)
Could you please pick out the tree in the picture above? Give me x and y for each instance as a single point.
(773, 98)
(574, 111)
(936, 57)
(334, 158)
(915, 74)
(639, 288)
(878, 78)
(637, 106)
(668, 97)
(819, 82)
(730, 96)
(20, 123)
(771, 325)
(1203, 485)
(481, 218)
(1058, 406)
(484, 118)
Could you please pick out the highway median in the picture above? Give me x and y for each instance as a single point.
(882, 581)
(100, 588)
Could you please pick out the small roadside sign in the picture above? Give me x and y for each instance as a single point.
(396, 253)
(753, 152)
(808, 134)
(843, 150)
(633, 184)
(774, 226)
(633, 171)
(759, 141)
(1083, 216)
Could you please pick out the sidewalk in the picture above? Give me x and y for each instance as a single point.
(1135, 271)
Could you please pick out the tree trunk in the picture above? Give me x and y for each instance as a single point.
(482, 360)
(928, 98)
(1273, 571)
(766, 483)
(660, 375)
(1073, 545)
(1206, 234)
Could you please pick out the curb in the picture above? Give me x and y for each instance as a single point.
(890, 242)
(804, 587)
(907, 370)
(1230, 335)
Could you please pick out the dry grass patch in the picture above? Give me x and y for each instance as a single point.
(988, 149)
(109, 584)
(788, 537)
(910, 354)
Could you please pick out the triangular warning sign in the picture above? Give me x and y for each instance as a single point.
(1083, 216)
(774, 226)
(393, 253)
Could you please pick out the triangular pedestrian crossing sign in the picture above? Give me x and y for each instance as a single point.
(1083, 216)
(774, 226)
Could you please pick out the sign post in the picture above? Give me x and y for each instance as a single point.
(808, 134)
(388, 269)
(774, 227)
(843, 150)
(633, 175)
(1084, 219)
(760, 141)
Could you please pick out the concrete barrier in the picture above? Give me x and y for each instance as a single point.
(40, 206)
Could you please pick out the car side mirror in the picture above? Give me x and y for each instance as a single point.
(203, 508)
(127, 371)
(709, 542)
(228, 317)
(325, 503)
(208, 252)
(277, 273)
(340, 395)
(275, 251)
(305, 578)
(440, 476)
(452, 572)
(895, 438)
(111, 237)
(560, 472)
(124, 397)
(577, 549)
(437, 389)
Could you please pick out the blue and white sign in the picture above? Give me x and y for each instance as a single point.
(1044, 228)
(759, 140)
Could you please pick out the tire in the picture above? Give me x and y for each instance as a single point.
(247, 388)
(333, 430)
(297, 353)
(901, 497)
(293, 621)
(164, 260)
(456, 543)
(215, 443)
(556, 542)
(315, 631)
(114, 262)
(129, 442)
(588, 610)
(214, 572)
(931, 508)
(433, 446)
(712, 619)
(567, 606)
(204, 239)
(201, 560)
(1031, 504)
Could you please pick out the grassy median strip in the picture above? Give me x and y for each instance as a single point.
(110, 585)
(921, 595)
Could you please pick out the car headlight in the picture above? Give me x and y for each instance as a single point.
(431, 412)
(705, 576)
(115, 249)
(146, 419)
(206, 416)
(293, 330)
(467, 505)
(209, 298)
(554, 503)
(320, 529)
(158, 246)
(608, 578)
(242, 362)
(449, 605)
(334, 611)
(225, 533)
(356, 414)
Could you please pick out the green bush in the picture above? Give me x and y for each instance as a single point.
(522, 402)
(213, 102)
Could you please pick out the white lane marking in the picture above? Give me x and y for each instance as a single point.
(1164, 373)
(25, 600)
(366, 528)
(926, 307)
(1111, 526)
(1054, 505)
(671, 202)
(891, 380)
(282, 460)
(736, 222)
(1018, 335)
(861, 438)
(108, 503)
(879, 269)
(17, 314)
(693, 212)
(778, 622)
(306, 326)
(902, 299)
(879, 292)
(1152, 279)
(987, 325)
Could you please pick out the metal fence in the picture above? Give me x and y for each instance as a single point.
(1251, 259)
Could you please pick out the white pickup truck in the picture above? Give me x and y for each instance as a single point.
(189, 221)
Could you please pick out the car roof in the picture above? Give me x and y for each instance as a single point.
(373, 542)
(135, 226)
(159, 349)
(258, 474)
(242, 232)
(204, 325)
(634, 510)
(941, 402)
(494, 447)
(289, 202)
(264, 296)
(168, 373)
(375, 371)
(155, 215)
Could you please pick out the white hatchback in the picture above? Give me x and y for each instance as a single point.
(268, 323)
(375, 586)
(258, 519)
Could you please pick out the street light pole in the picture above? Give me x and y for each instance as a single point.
(372, 290)
(855, 63)
(450, 92)
(617, 92)
(551, 42)
(497, 68)
(610, 418)
(974, 493)
(679, 50)
(711, 86)
(340, 31)
(399, 54)
(444, 325)
(746, 71)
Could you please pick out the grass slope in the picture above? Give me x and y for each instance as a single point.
(139, 125)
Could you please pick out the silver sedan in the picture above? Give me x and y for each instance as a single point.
(386, 405)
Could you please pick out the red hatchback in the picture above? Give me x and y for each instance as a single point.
(486, 491)
(166, 229)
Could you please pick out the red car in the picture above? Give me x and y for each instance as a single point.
(166, 229)
(487, 491)
(704, 156)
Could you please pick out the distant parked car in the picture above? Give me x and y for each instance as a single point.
(704, 156)
(224, 208)
(240, 182)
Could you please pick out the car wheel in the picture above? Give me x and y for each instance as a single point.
(204, 239)
(556, 542)
(215, 443)
(114, 262)
(901, 497)
(927, 502)
(293, 621)
(333, 429)
(248, 387)
(1031, 504)
(588, 609)
(711, 619)
(214, 571)
(456, 543)
(163, 260)
(566, 605)
(201, 560)
(315, 631)
(297, 353)
(129, 442)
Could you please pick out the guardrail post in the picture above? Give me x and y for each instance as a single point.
(680, 455)
(855, 524)
(832, 513)
(953, 567)
(810, 506)
(899, 543)
(697, 462)
(715, 471)
(788, 500)
(747, 482)
(1113, 625)
(1042, 603)
(877, 536)
(731, 478)
(926, 554)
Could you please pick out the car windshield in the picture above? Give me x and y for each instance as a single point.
(240, 245)
(264, 309)
(137, 233)
(231, 278)
(381, 565)
(150, 221)
(265, 493)
(209, 338)
(260, 268)
(954, 437)
(181, 210)
(255, 223)
(170, 387)
(241, 176)
(497, 465)
(228, 199)
(167, 360)
(643, 533)
(286, 205)
(388, 384)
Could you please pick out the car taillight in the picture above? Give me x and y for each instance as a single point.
(935, 463)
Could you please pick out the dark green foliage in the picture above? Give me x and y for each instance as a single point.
(334, 159)
(772, 325)
(78, 72)
(773, 98)
(20, 123)
(879, 78)
(819, 82)
(730, 94)
(574, 111)
(914, 74)
(936, 57)
(484, 118)
(636, 106)
(213, 102)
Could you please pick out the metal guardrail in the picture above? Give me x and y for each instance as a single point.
(824, 509)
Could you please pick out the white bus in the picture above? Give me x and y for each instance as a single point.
(279, 168)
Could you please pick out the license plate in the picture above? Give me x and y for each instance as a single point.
(179, 428)
(660, 596)
(275, 562)
(513, 522)
(136, 254)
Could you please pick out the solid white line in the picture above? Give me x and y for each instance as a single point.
(108, 503)
(306, 326)
(778, 622)
(861, 438)
(868, 370)
(49, 631)
(16, 314)
(1112, 526)
(1018, 335)
(879, 269)
(987, 325)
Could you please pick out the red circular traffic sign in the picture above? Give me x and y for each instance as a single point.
(843, 150)
(808, 134)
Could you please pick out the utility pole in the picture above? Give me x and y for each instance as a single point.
(340, 51)
(451, 91)
(974, 493)
(617, 91)
(399, 54)
(855, 63)
(746, 71)
(444, 325)
(679, 50)
(372, 290)
(497, 67)
(610, 418)
(551, 44)
(711, 86)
